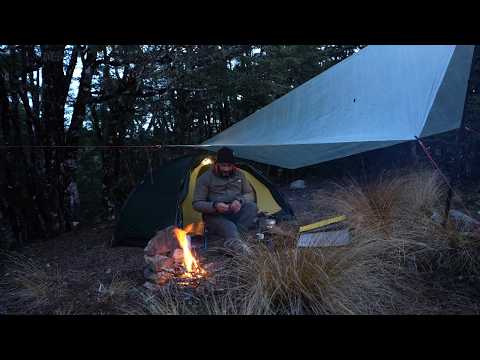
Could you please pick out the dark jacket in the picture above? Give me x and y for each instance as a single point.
(211, 188)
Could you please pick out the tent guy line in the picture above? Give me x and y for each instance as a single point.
(444, 177)
(83, 146)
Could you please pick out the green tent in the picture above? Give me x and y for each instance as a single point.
(164, 198)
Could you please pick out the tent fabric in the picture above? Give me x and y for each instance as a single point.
(163, 198)
(263, 196)
(153, 204)
(381, 96)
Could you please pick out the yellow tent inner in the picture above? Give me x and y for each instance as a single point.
(265, 201)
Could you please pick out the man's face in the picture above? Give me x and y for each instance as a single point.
(225, 169)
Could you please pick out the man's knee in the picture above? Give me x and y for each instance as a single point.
(223, 227)
(230, 230)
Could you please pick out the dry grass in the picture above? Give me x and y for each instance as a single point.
(395, 244)
(397, 210)
(315, 281)
(114, 292)
(31, 286)
(395, 218)
(65, 309)
(400, 261)
(169, 300)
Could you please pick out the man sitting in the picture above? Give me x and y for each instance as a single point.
(226, 199)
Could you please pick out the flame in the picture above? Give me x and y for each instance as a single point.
(192, 267)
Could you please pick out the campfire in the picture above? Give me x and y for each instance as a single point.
(181, 265)
(191, 267)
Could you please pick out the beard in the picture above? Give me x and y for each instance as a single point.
(223, 173)
(226, 174)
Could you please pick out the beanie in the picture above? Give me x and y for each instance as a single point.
(225, 155)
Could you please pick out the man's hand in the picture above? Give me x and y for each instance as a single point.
(235, 206)
(221, 207)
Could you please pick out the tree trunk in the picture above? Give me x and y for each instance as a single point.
(55, 85)
(73, 135)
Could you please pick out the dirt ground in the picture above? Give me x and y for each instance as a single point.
(82, 262)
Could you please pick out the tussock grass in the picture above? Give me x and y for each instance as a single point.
(400, 261)
(114, 292)
(396, 243)
(31, 286)
(396, 216)
(316, 281)
(386, 206)
(169, 300)
(397, 209)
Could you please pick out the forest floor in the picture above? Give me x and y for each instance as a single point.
(79, 273)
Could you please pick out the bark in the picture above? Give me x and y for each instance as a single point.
(54, 94)
(72, 155)
(83, 96)
(115, 121)
(7, 183)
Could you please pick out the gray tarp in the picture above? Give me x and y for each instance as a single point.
(380, 96)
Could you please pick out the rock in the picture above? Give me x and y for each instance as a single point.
(108, 271)
(162, 243)
(160, 278)
(101, 289)
(159, 261)
(298, 184)
(178, 256)
(163, 278)
(149, 273)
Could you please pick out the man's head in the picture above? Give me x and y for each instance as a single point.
(225, 163)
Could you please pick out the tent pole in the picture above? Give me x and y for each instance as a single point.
(460, 147)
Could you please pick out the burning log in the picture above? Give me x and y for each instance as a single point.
(191, 265)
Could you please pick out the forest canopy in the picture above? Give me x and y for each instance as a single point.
(60, 103)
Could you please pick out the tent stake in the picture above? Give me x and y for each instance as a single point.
(447, 207)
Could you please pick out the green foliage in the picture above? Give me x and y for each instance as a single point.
(137, 95)
(185, 94)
